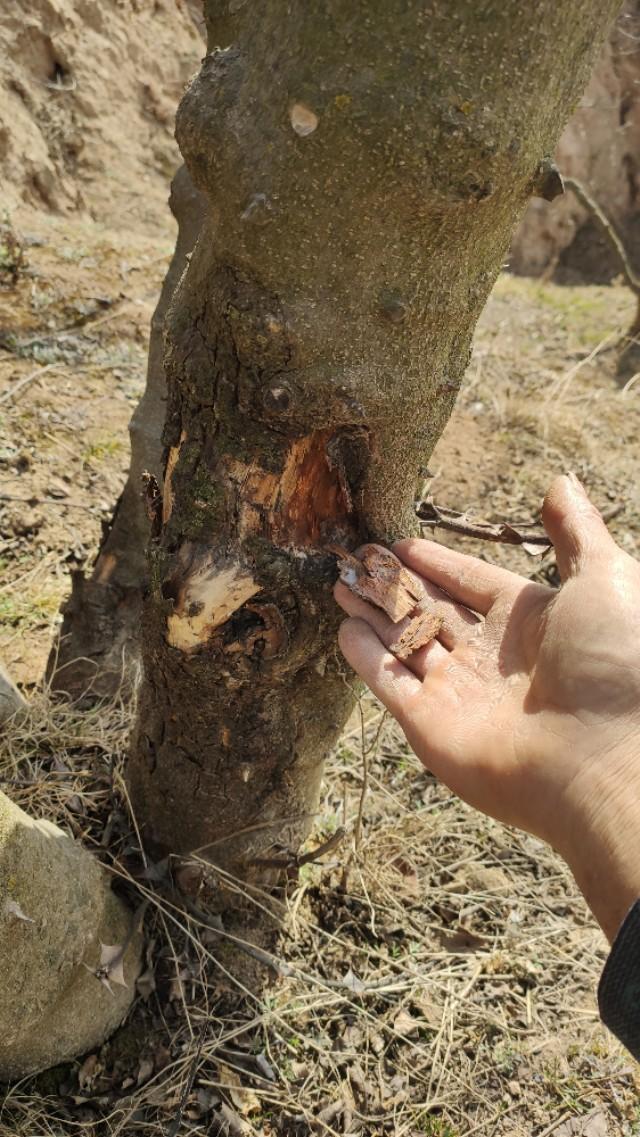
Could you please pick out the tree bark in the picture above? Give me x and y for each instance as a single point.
(56, 911)
(365, 165)
(98, 650)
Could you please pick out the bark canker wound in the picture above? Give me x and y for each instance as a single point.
(300, 509)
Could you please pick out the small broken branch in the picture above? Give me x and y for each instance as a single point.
(609, 231)
(437, 516)
(19, 386)
(534, 541)
(295, 860)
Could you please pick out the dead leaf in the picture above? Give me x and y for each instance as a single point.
(12, 908)
(112, 963)
(232, 1123)
(243, 1097)
(88, 1072)
(593, 1125)
(145, 1070)
(146, 984)
(430, 1012)
(189, 878)
(405, 1024)
(352, 983)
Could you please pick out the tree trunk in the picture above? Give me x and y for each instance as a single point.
(56, 911)
(365, 164)
(98, 649)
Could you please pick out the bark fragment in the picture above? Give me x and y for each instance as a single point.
(421, 629)
(379, 577)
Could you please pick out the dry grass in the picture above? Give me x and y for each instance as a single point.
(444, 985)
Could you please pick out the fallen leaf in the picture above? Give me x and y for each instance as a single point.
(405, 1024)
(112, 963)
(352, 983)
(232, 1123)
(243, 1097)
(88, 1071)
(146, 983)
(593, 1125)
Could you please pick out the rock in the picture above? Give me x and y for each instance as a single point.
(56, 910)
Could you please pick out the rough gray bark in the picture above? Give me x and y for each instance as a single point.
(98, 648)
(365, 165)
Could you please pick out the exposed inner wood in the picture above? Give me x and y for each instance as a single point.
(167, 493)
(209, 594)
(305, 506)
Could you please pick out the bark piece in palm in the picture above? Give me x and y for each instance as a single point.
(419, 631)
(379, 577)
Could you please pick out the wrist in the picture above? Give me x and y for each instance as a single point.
(601, 841)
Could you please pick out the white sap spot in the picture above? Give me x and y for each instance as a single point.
(303, 120)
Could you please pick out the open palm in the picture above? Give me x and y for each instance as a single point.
(528, 703)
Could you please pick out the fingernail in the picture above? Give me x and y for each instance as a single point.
(575, 482)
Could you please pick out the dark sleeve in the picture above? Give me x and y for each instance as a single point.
(619, 989)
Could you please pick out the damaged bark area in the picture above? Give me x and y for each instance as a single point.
(364, 171)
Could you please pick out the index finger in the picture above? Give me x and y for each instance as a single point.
(466, 579)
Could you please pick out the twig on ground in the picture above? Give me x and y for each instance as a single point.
(33, 501)
(534, 541)
(439, 517)
(18, 387)
(556, 1124)
(174, 1128)
(297, 860)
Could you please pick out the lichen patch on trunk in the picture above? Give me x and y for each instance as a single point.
(209, 593)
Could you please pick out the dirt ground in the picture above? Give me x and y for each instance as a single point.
(436, 974)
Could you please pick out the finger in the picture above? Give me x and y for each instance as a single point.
(468, 580)
(458, 623)
(393, 683)
(419, 661)
(574, 525)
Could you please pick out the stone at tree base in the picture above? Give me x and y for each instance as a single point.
(56, 908)
(10, 698)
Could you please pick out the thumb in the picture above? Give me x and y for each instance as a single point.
(574, 525)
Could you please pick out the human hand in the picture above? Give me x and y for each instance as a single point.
(528, 703)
